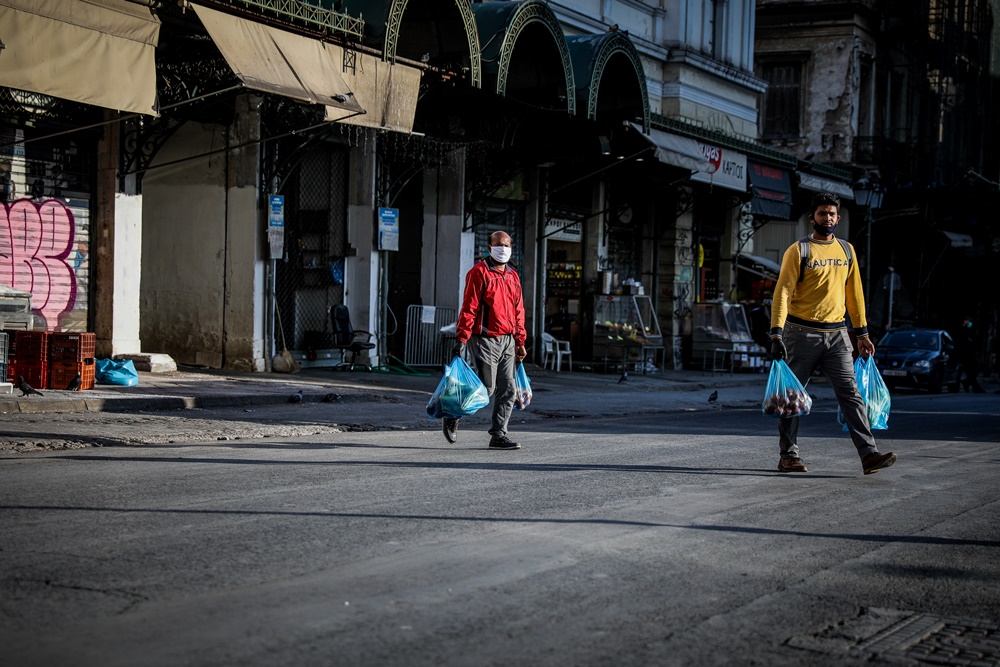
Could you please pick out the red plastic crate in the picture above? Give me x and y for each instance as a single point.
(31, 346)
(63, 373)
(35, 373)
(71, 346)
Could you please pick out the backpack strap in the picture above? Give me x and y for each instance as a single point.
(847, 251)
(803, 256)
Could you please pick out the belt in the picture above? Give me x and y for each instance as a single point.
(819, 326)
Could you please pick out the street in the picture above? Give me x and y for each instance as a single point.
(650, 539)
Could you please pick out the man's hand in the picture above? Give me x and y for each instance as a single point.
(866, 347)
(458, 350)
(520, 353)
(778, 351)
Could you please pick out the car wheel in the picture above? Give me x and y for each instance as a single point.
(936, 384)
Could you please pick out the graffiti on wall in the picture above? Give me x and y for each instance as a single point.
(40, 254)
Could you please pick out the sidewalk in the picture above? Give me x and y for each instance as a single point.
(203, 388)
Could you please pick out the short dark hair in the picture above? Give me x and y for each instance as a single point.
(824, 199)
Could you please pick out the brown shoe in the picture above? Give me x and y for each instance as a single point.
(875, 462)
(791, 465)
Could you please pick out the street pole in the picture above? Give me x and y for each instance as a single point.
(868, 252)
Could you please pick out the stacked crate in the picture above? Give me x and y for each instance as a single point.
(31, 358)
(69, 354)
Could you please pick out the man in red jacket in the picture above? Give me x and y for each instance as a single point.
(492, 323)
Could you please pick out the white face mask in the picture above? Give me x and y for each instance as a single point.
(500, 253)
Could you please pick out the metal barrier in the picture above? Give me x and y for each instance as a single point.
(425, 344)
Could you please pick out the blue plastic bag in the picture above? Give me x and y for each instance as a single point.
(874, 394)
(112, 371)
(459, 394)
(785, 396)
(522, 392)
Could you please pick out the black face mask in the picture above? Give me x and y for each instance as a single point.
(823, 230)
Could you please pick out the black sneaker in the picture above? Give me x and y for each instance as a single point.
(503, 442)
(450, 428)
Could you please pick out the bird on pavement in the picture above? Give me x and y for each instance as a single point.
(296, 397)
(623, 378)
(74, 384)
(331, 398)
(26, 389)
(713, 396)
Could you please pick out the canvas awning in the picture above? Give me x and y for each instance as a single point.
(675, 150)
(98, 52)
(820, 184)
(772, 191)
(276, 61)
(389, 92)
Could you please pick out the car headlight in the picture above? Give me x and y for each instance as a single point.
(923, 363)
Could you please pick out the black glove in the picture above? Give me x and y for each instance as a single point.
(778, 351)
(458, 350)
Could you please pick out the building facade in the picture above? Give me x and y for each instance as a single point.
(281, 158)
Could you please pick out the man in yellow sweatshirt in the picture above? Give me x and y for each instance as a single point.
(808, 329)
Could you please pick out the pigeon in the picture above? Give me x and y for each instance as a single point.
(623, 377)
(74, 384)
(713, 396)
(26, 389)
(296, 397)
(331, 398)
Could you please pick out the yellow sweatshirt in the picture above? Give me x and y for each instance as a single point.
(828, 290)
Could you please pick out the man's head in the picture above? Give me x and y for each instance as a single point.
(825, 214)
(500, 247)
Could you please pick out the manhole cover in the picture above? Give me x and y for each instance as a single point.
(909, 636)
(938, 641)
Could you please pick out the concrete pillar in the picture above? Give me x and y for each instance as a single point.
(116, 244)
(677, 265)
(531, 268)
(442, 279)
(245, 253)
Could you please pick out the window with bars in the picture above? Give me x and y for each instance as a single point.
(782, 103)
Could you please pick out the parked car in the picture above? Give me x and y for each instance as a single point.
(920, 358)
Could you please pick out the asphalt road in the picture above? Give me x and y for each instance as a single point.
(660, 539)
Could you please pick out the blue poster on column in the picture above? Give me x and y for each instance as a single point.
(388, 229)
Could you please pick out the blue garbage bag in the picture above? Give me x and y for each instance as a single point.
(459, 394)
(874, 393)
(784, 395)
(522, 392)
(113, 371)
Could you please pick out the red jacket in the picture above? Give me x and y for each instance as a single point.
(493, 304)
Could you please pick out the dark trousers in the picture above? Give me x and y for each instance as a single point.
(829, 351)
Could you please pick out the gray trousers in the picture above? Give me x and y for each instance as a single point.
(495, 365)
(831, 352)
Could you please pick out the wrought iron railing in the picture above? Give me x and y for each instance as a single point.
(310, 13)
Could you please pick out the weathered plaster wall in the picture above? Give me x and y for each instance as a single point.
(183, 248)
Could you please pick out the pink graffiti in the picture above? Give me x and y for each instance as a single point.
(34, 245)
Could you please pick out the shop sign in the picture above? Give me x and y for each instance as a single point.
(388, 229)
(727, 168)
(563, 230)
